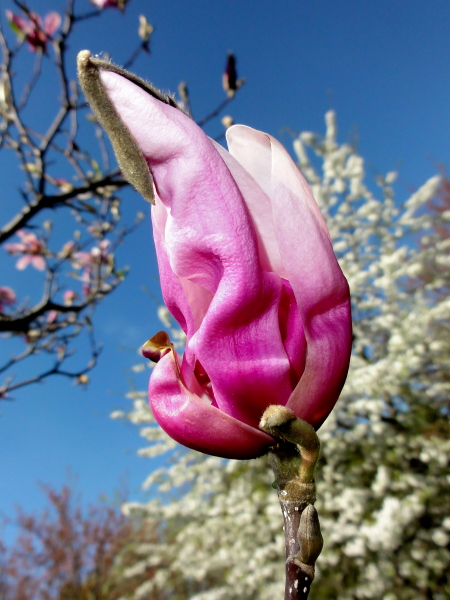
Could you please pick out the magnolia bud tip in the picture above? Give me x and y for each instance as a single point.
(83, 57)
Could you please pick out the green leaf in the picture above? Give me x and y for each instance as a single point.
(16, 29)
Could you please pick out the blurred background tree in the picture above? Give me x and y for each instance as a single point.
(68, 552)
(70, 187)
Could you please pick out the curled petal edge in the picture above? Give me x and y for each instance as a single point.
(197, 424)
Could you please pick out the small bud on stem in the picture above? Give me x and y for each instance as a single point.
(293, 461)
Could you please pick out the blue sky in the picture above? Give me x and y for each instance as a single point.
(382, 66)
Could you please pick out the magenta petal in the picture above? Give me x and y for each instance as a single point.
(248, 270)
(308, 259)
(196, 424)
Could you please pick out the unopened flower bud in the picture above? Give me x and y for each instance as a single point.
(309, 536)
(230, 81)
(227, 121)
(82, 379)
(183, 91)
(145, 28)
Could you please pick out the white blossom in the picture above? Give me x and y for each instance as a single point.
(383, 480)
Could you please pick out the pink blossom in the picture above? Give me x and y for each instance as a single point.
(109, 3)
(98, 255)
(36, 33)
(52, 316)
(32, 250)
(7, 297)
(64, 185)
(69, 297)
(247, 269)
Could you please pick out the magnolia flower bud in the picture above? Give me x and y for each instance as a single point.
(145, 28)
(247, 269)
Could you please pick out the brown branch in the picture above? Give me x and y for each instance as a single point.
(293, 462)
(30, 85)
(7, 388)
(216, 111)
(24, 138)
(21, 324)
(143, 47)
(43, 202)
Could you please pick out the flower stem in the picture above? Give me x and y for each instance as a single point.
(293, 461)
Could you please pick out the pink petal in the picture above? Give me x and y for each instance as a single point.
(23, 262)
(260, 208)
(193, 422)
(16, 247)
(28, 238)
(38, 262)
(212, 248)
(35, 20)
(51, 22)
(319, 285)
(18, 23)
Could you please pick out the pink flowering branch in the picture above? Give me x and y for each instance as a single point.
(35, 31)
(84, 185)
(51, 325)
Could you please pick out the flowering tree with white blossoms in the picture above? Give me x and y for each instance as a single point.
(383, 472)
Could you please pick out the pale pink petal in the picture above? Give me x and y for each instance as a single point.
(51, 22)
(23, 262)
(81, 259)
(16, 247)
(28, 239)
(38, 262)
(260, 208)
(319, 285)
(193, 422)
(322, 292)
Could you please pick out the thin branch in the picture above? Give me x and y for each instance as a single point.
(15, 359)
(21, 324)
(216, 111)
(34, 79)
(6, 389)
(42, 202)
